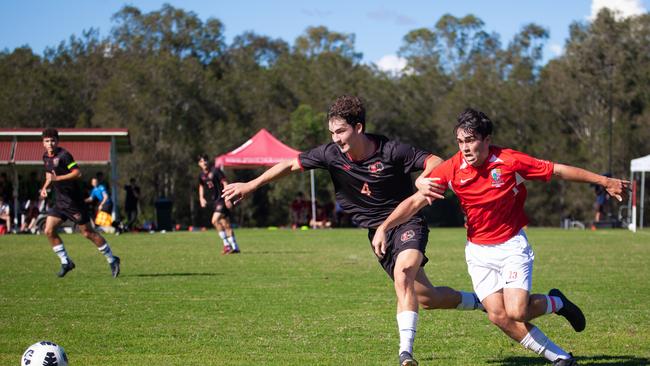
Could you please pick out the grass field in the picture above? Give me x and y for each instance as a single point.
(304, 298)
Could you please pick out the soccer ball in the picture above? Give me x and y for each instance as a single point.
(44, 353)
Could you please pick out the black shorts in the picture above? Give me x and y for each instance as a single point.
(75, 214)
(219, 206)
(108, 207)
(413, 234)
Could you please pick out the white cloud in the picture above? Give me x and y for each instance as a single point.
(624, 8)
(392, 64)
(556, 49)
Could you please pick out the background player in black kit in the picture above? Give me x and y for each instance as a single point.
(61, 171)
(371, 175)
(211, 182)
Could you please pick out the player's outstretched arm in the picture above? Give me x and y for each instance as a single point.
(400, 215)
(615, 187)
(235, 192)
(427, 186)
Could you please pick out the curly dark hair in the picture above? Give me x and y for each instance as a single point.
(203, 157)
(474, 122)
(348, 108)
(51, 133)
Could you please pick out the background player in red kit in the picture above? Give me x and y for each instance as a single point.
(488, 181)
(62, 172)
(371, 176)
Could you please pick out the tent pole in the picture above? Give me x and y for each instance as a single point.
(642, 199)
(629, 199)
(313, 195)
(114, 177)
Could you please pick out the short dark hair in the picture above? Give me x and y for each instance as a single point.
(350, 109)
(51, 133)
(474, 122)
(203, 156)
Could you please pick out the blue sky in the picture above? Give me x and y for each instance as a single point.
(378, 25)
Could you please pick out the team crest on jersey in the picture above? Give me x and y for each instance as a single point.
(55, 162)
(210, 175)
(497, 180)
(407, 235)
(375, 167)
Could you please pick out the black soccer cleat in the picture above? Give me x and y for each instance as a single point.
(65, 268)
(115, 267)
(406, 359)
(570, 311)
(566, 362)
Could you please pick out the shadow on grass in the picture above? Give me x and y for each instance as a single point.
(177, 274)
(279, 252)
(599, 360)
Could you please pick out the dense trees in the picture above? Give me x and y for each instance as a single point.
(181, 90)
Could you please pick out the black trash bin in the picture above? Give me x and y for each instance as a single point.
(163, 214)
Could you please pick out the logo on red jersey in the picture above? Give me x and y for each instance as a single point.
(375, 167)
(497, 181)
(407, 235)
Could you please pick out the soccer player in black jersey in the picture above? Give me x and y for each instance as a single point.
(371, 176)
(211, 182)
(62, 172)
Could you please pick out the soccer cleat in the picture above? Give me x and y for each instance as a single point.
(226, 250)
(115, 267)
(236, 251)
(406, 359)
(566, 362)
(65, 268)
(570, 311)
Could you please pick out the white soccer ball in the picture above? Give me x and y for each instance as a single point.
(44, 353)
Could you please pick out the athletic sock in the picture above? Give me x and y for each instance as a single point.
(106, 251)
(553, 304)
(406, 323)
(469, 301)
(233, 242)
(60, 251)
(537, 342)
(224, 238)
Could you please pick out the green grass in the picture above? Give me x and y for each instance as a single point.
(304, 298)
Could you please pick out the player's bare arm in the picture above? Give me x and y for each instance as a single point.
(615, 187)
(74, 174)
(402, 213)
(46, 184)
(236, 192)
(202, 200)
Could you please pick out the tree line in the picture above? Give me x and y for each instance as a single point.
(181, 90)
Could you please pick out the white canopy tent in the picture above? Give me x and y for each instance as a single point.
(638, 166)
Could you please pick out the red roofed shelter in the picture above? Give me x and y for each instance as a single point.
(89, 146)
(262, 150)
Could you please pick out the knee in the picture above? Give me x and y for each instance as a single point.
(87, 233)
(500, 319)
(49, 231)
(517, 314)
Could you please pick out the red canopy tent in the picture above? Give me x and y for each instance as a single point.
(263, 149)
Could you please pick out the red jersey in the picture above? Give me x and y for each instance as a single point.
(493, 194)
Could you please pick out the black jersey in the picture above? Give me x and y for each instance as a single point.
(211, 182)
(371, 189)
(67, 192)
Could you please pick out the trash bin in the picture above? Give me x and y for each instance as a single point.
(163, 214)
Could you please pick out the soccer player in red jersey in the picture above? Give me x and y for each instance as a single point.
(371, 176)
(488, 181)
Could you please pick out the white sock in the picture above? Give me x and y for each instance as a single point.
(406, 323)
(106, 251)
(553, 304)
(469, 301)
(537, 342)
(60, 251)
(224, 238)
(233, 242)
